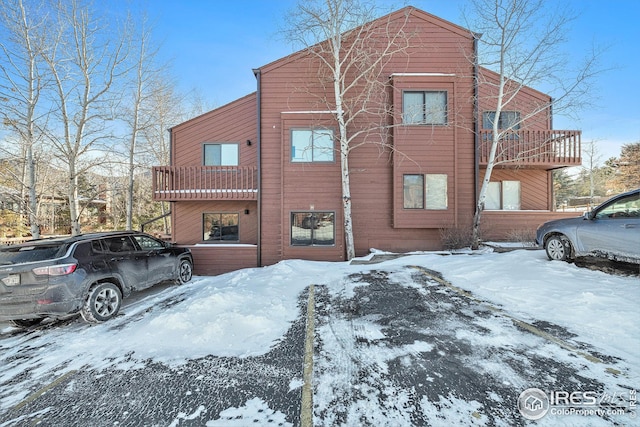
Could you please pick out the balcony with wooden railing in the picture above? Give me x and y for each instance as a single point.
(172, 183)
(542, 149)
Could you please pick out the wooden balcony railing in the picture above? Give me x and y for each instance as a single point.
(172, 183)
(533, 148)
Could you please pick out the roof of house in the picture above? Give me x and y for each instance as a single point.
(408, 10)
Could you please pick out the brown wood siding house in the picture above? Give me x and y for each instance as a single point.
(245, 193)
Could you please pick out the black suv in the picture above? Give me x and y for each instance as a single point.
(88, 273)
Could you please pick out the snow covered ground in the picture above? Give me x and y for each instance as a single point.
(247, 313)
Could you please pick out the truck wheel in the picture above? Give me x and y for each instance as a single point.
(102, 303)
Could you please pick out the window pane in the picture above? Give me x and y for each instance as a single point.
(301, 226)
(323, 145)
(212, 154)
(511, 195)
(324, 233)
(493, 197)
(119, 244)
(487, 119)
(413, 107)
(148, 243)
(220, 227)
(626, 208)
(510, 119)
(436, 108)
(436, 191)
(229, 155)
(301, 145)
(413, 192)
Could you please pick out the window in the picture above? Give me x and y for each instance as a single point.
(119, 244)
(220, 227)
(425, 107)
(312, 145)
(414, 191)
(504, 195)
(628, 207)
(221, 154)
(313, 229)
(148, 243)
(508, 120)
(425, 192)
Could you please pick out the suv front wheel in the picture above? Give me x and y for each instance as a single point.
(185, 271)
(103, 302)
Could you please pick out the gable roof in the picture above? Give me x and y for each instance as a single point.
(408, 10)
(405, 11)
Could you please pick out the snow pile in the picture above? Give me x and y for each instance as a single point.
(246, 313)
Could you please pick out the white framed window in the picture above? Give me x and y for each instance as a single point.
(220, 154)
(424, 107)
(427, 191)
(312, 145)
(503, 195)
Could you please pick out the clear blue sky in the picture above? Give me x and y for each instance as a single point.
(215, 44)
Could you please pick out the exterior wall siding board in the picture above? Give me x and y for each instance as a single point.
(533, 182)
(211, 261)
(291, 90)
(234, 123)
(190, 214)
(372, 188)
(513, 225)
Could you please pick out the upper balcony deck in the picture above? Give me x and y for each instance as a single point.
(171, 183)
(542, 149)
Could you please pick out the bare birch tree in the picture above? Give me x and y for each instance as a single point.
(352, 50)
(521, 41)
(22, 82)
(139, 115)
(169, 110)
(88, 59)
(592, 157)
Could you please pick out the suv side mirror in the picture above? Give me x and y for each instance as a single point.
(587, 215)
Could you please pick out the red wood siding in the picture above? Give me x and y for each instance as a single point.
(531, 103)
(235, 122)
(211, 260)
(511, 225)
(292, 85)
(534, 186)
(232, 123)
(309, 187)
(438, 149)
(187, 217)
